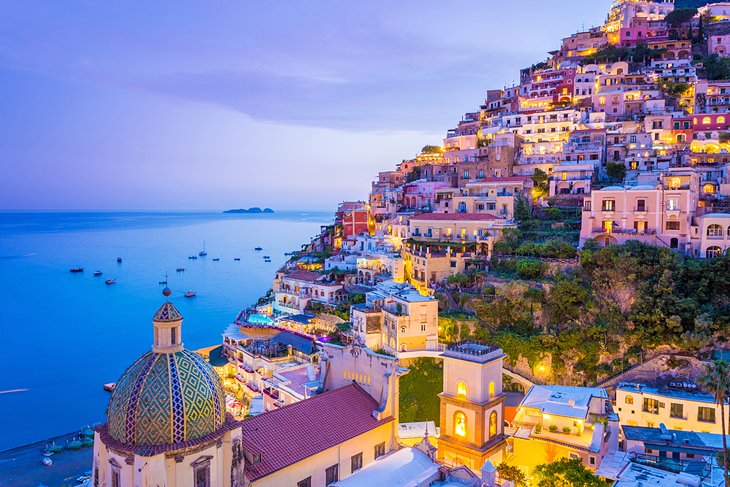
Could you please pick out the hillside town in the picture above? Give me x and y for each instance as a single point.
(541, 298)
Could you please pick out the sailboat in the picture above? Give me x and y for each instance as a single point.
(203, 253)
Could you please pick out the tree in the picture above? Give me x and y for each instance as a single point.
(541, 184)
(716, 380)
(566, 473)
(522, 208)
(716, 67)
(509, 472)
(616, 171)
(414, 175)
(458, 280)
(680, 16)
(431, 149)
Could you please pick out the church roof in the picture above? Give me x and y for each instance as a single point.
(285, 436)
(166, 398)
(167, 312)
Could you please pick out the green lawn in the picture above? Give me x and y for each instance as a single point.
(419, 391)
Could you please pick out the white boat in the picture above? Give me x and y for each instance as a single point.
(190, 294)
(109, 282)
(203, 252)
(47, 461)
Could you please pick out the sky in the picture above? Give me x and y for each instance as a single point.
(209, 105)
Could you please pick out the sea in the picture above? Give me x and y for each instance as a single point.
(63, 335)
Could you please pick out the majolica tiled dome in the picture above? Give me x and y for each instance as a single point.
(166, 398)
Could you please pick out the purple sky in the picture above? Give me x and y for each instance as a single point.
(228, 103)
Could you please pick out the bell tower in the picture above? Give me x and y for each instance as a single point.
(472, 406)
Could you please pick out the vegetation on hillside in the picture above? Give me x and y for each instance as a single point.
(419, 390)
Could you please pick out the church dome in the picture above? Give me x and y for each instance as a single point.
(166, 398)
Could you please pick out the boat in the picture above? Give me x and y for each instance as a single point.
(163, 282)
(180, 269)
(119, 260)
(267, 256)
(110, 281)
(109, 387)
(190, 294)
(216, 259)
(258, 249)
(193, 257)
(77, 269)
(47, 461)
(236, 258)
(97, 273)
(203, 252)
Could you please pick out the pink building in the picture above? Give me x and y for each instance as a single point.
(659, 215)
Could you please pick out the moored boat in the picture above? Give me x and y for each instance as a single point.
(236, 258)
(109, 282)
(193, 257)
(47, 461)
(119, 260)
(180, 269)
(109, 387)
(190, 294)
(77, 269)
(257, 249)
(97, 273)
(216, 259)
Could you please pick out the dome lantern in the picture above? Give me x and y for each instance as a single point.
(167, 323)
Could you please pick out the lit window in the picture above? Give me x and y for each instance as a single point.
(491, 389)
(461, 390)
(460, 424)
(715, 231)
(629, 400)
(706, 121)
(721, 119)
(493, 424)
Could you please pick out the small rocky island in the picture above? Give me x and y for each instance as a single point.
(253, 209)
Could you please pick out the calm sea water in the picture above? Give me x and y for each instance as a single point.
(64, 335)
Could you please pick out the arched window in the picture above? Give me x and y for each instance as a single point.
(709, 188)
(402, 329)
(629, 399)
(461, 390)
(720, 119)
(706, 121)
(493, 424)
(713, 252)
(460, 424)
(715, 231)
(491, 389)
(462, 207)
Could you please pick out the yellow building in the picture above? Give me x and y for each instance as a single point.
(677, 408)
(557, 422)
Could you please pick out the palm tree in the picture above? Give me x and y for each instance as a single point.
(716, 380)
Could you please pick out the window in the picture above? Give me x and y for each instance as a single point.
(574, 456)
(466, 174)
(673, 225)
(356, 462)
(402, 329)
(592, 461)
(493, 424)
(706, 121)
(332, 474)
(491, 389)
(629, 399)
(651, 406)
(641, 205)
(116, 478)
(721, 119)
(608, 205)
(173, 335)
(202, 476)
(676, 410)
(461, 390)
(379, 450)
(715, 231)
(305, 482)
(423, 326)
(460, 424)
(713, 252)
(706, 415)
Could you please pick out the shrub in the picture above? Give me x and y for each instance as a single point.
(553, 427)
(529, 268)
(567, 429)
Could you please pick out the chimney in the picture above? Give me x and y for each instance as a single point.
(489, 474)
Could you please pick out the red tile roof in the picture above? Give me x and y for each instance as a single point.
(303, 275)
(293, 433)
(506, 179)
(449, 217)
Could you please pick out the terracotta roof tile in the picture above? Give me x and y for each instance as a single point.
(303, 275)
(293, 433)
